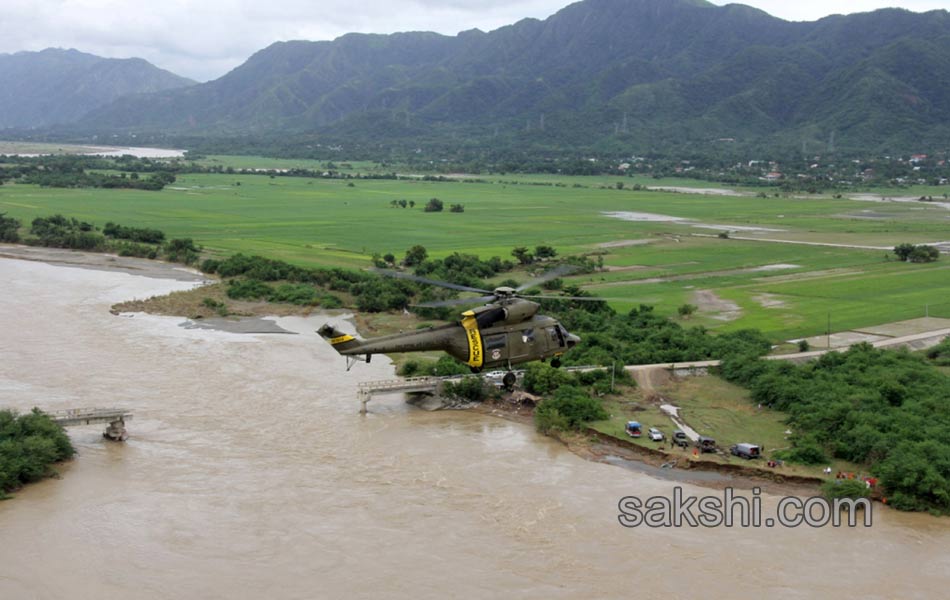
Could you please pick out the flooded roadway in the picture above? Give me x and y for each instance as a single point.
(249, 473)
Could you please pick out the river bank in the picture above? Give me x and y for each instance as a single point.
(675, 465)
(249, 472)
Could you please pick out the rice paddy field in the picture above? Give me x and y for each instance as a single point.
(787, 267)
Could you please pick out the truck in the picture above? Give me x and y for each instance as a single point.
(634, 429)
(706, 444)
(746, 451)
(680, 438)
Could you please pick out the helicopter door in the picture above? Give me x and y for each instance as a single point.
(521, 343)
(496, 347)
(556, 337)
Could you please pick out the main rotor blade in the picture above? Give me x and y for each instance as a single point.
(550, 275)
(455, 302)
(417, 279)
(581, 298)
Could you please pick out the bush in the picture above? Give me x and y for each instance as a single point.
(29, 444)
(123, 248)
(218, 307)
(569, 408)
(916, 254)
(9, 229)
(295, 293)
(549, 420)
(845, 488)
(248, 289)
(411, 368)
(686, 310)
(540, 378)
(59, 232)
(330, 301)
(134, 234)
(940, 354)
(468, 388)
(807, 454)
(182, 250)
(434, 205)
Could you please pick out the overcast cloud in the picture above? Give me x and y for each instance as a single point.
(203, 39)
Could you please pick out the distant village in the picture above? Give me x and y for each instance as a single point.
(816, 172)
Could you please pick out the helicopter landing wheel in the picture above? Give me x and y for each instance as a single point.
(509, 380)
(476, 370)
(556, 363)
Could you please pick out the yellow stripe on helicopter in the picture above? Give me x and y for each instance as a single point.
(470, 324)
(341, 339)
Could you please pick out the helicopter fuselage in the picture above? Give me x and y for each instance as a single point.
(496, 335)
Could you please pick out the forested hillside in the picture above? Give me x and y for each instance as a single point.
(636, 75)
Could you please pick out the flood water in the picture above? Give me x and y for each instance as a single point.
(250, 474)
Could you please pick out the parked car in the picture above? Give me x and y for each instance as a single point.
(706, 444)
(634, 429)
(680, 439)
(746, 451)
(655, 434)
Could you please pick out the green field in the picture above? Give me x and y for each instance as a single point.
(786, 289)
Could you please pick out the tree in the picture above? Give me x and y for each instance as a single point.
(916, 254)
(544, 252)
(412, 204)
(924, 254)
(457, 208)
(403, 203)
(434, 205)
(415, 256)
(686, 310)
(9, 229)
(902, 251)
(571, 406)
(524, 257)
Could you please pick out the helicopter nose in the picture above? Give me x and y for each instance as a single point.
(572, 340)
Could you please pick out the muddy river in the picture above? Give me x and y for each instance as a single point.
(250, 474)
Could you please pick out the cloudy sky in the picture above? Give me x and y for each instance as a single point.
(203, 39)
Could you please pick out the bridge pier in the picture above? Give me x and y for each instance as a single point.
(116, 431)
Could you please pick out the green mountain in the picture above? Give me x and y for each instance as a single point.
(61, 86)
(625, 74)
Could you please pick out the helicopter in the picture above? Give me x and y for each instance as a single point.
(507, 330)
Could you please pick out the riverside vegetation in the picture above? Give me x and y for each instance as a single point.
(29, 445)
